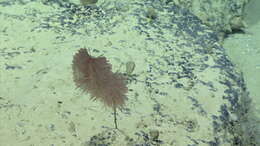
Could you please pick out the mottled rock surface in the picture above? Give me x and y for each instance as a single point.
(183, 85)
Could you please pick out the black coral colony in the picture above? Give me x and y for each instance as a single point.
(94, 75)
